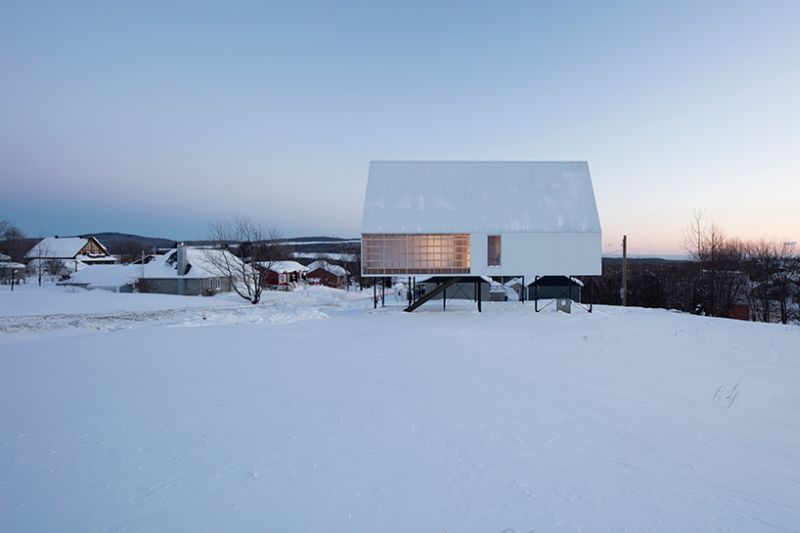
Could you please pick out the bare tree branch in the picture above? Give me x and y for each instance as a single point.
(256, 248)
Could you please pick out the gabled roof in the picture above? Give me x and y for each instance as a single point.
(281, 267)
(203, 263)
(60, 247)
(479, 197)
(336, 270)
(57, 247)
(106, 276)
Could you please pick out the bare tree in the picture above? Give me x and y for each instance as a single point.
(784, 281)
(351, 261)
(257, 249)
(719, 261)
(693, 240)
(761, 263)
(41, 256)
(130, 251)
(55, 267)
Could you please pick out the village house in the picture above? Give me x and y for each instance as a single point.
(183, 270)
(327, 274)
(10, 271)
(281, 275)
(74, 253)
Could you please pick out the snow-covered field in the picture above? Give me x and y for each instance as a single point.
(312, 412)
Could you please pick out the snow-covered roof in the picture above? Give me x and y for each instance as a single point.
(479, 196)
(59, 247)
(336, 270)
(203, 263)
(89, 259)
(4, 257)
(281, 267)
(323, 255)
(8, 265)
(106, 276)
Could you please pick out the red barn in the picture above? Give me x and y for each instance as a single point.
(281, 274)
(324, 273)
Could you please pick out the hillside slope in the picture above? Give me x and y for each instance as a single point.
(361, 420)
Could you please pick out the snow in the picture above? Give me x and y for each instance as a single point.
(322, 255)
(31, 300)
(303, 243)
(203, 262)
(336, 270)
(313, 412)
(106, 276)
(479, 197)
(282, 267)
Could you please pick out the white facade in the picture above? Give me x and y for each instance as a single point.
(544, 213)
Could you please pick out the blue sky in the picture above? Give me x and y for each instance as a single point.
(146, 118)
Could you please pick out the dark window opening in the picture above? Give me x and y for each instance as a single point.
(494, 250)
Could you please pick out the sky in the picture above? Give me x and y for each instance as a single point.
(158, 118)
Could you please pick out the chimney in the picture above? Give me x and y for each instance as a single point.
(181, 268)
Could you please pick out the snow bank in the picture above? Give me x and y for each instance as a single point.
(30, 299)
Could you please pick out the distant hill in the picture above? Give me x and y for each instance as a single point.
(644, 260)
(117, 242)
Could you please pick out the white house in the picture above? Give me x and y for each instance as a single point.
(492, 218)
(184, 270)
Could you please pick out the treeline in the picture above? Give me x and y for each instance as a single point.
(724, 277)
(13, 242)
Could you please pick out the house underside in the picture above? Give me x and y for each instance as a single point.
(547, 289)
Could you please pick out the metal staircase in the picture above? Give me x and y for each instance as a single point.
(433, 294)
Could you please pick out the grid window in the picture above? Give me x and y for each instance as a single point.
(404, 254)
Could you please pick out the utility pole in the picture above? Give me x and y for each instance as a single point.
(624, 291)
